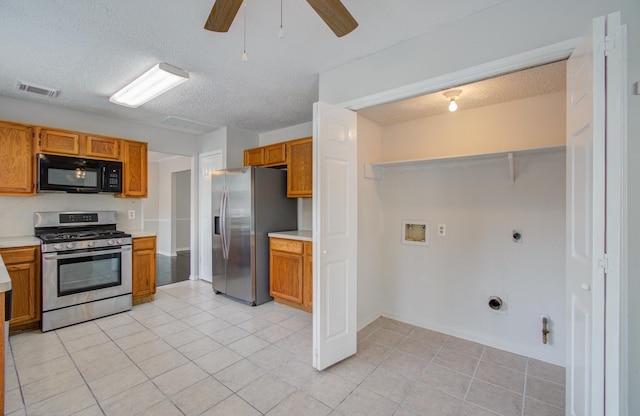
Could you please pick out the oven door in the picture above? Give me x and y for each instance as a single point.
(82, 276)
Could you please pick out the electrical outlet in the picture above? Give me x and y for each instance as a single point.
(132, 214)
(442, 230)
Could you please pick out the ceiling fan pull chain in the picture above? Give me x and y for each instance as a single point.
(281, 31)
(245, 58)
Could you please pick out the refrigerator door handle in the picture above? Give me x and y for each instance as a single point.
(223, 221)
(225, 239)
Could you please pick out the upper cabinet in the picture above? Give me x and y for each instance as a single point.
(20, 143)
(103, 147)
(59, 142)
(300, 168)
(17, 161)
(266, 156)
(134, 157)
(69, 143)
(295, 155)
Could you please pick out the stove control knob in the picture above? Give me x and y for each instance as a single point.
(70, 245)
(120, 241)
(110, 242)
(57, 246)
(91, 243)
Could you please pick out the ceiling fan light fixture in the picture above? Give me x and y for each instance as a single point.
(157, 80)
(452, 96)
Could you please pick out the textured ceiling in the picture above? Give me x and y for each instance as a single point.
(90, 49)
(530, 82)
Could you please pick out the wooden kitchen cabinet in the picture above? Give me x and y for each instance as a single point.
(58, 142)
(102, 147)
(307, 275)
(295, 155)
(254, 157)
(144, 269)
(290, 272)
(17, 160)
(266, 156)
(23, 265)
(300, 168)
(134, 166)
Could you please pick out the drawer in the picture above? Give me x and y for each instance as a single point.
(290, 246)
(19, 255)
(144, 243)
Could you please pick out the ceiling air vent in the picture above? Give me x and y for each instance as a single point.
(189, 126)
(49, 92)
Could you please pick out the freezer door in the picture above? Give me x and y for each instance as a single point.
(218, 263)
(238, 228)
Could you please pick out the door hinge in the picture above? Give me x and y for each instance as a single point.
(608, 45)
(603, 263)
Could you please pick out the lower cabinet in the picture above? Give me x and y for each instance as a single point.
(144, 269)
(290, 272)
(23, 265)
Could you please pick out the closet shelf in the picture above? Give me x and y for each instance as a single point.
(374, 170)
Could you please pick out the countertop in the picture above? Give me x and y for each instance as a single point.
(140, 233)
(5, 280)
(305, 235)
(21, 241)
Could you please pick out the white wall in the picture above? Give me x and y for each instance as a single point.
(181, 216)
(237, 141)
(288, 133)
(519, 124)
(501, 31)
(445, 286)
(166, 236)
(370, 225)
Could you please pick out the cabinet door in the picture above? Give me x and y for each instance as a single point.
(144, 266)
(300, 168)
(275, 154)
(307, 276)
(286, 276)
(103, 147)
(61, 142)
(254, 157)
(134, 169)
(23, 265)
(17, 164)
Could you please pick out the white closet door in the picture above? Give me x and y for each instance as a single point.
(335, 246)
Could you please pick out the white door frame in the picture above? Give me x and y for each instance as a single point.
(616, 301)
(197, 177)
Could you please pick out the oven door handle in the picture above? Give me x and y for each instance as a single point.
(56, 256)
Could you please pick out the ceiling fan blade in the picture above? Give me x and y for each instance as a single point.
(335, 15)
(222, 15)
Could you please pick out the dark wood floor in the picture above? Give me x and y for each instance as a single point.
(172, 269)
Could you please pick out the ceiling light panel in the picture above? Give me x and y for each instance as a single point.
(158, 80)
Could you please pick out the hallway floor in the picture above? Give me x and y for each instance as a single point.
(171, 269)
(190, 352)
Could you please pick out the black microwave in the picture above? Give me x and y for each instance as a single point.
(78, 175)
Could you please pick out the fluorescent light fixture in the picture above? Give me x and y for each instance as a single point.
(159, 79)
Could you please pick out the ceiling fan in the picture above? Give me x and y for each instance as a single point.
(333, 12)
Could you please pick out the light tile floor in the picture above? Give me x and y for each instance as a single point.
(191, 352)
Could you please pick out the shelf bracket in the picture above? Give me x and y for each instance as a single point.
(512, 173)
(372, 172)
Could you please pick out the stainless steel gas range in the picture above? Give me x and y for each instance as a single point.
(86, 267)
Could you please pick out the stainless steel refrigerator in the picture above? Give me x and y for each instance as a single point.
(248, 203)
